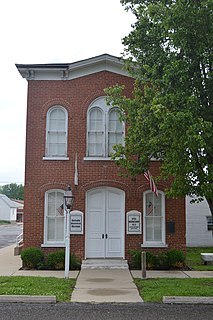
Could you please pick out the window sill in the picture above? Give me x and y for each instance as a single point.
(97, 159)
(53, 245)
(55, 158)
(154, 159)
(154, 245)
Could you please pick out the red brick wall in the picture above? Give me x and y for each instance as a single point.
(42, 175)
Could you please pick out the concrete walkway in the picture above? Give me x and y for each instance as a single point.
(173, 274)
(10, 265)
(95, 285)
(101, 285)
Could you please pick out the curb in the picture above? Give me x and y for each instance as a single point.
(27, 299)
(187, 300)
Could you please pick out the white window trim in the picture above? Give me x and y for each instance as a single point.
(98, 159)
(209, 223)
(101, 104)
(46, 242)
(93, 106)
(52, 245)
(47, 155)
(55, 158)
(107, 129)
(153, 244)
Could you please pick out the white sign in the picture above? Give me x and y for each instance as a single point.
(133, 224)
(76, 222)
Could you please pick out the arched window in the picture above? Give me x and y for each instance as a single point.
(56, 132)
(154, 219)
(104, 129)
(115, 130)
(96, 132)
(54, 224)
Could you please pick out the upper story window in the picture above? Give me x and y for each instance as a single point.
(56, 132)
(104, 129)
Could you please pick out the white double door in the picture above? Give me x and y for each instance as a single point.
(105, 223)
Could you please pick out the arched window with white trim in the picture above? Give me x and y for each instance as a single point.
(104, 129)
(154, 219)
(115, 130)
(54, 222)
(56, 132)
(96, 132)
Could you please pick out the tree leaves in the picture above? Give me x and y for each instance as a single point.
(13, 191)
(170, 116)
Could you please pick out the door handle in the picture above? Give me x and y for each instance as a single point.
(106, 235)
(102, 235)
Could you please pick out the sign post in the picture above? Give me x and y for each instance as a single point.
(143, 264)
(68, 203)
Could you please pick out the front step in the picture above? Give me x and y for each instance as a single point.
(105, 264)
(18, 249)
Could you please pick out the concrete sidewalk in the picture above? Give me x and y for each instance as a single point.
(10, 266)
(172, 274)
(105, 285)
(96, 285)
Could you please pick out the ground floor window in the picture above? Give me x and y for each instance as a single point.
(209, 223)
(54, 218)
(154, 219)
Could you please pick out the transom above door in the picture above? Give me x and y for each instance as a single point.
(105, 223)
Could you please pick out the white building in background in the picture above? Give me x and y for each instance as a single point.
(199, 224)
(8, 209)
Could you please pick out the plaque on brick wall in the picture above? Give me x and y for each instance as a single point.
(133, 222)
(76, 222)
(170, 227)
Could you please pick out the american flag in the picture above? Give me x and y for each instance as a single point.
(61, 210)
(149, 209)
(151, 181)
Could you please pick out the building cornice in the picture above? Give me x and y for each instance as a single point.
(69, 71)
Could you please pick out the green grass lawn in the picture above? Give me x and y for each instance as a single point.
(60, 288)
(193, 259)
(4, 222)
(153, 290)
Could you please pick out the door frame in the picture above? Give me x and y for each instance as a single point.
(122, 221)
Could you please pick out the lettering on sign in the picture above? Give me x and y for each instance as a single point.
(76, 222)
(133, 225)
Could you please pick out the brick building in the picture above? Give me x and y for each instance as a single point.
(70, 134)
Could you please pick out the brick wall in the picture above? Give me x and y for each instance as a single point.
(42, 175)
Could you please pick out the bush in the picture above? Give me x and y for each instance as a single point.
(56, 261)
(32, 258)
(161, 261)
(136, 259)
(150, 260)
(75, 263)
(176, 258)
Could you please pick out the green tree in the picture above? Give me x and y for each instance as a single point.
(170, 115)
(13, 191)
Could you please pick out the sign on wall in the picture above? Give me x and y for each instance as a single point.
(133, 222)
(76, 222)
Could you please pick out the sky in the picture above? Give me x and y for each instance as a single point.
(47, 31)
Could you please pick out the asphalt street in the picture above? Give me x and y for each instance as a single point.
(74, 311)
(8, 234)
